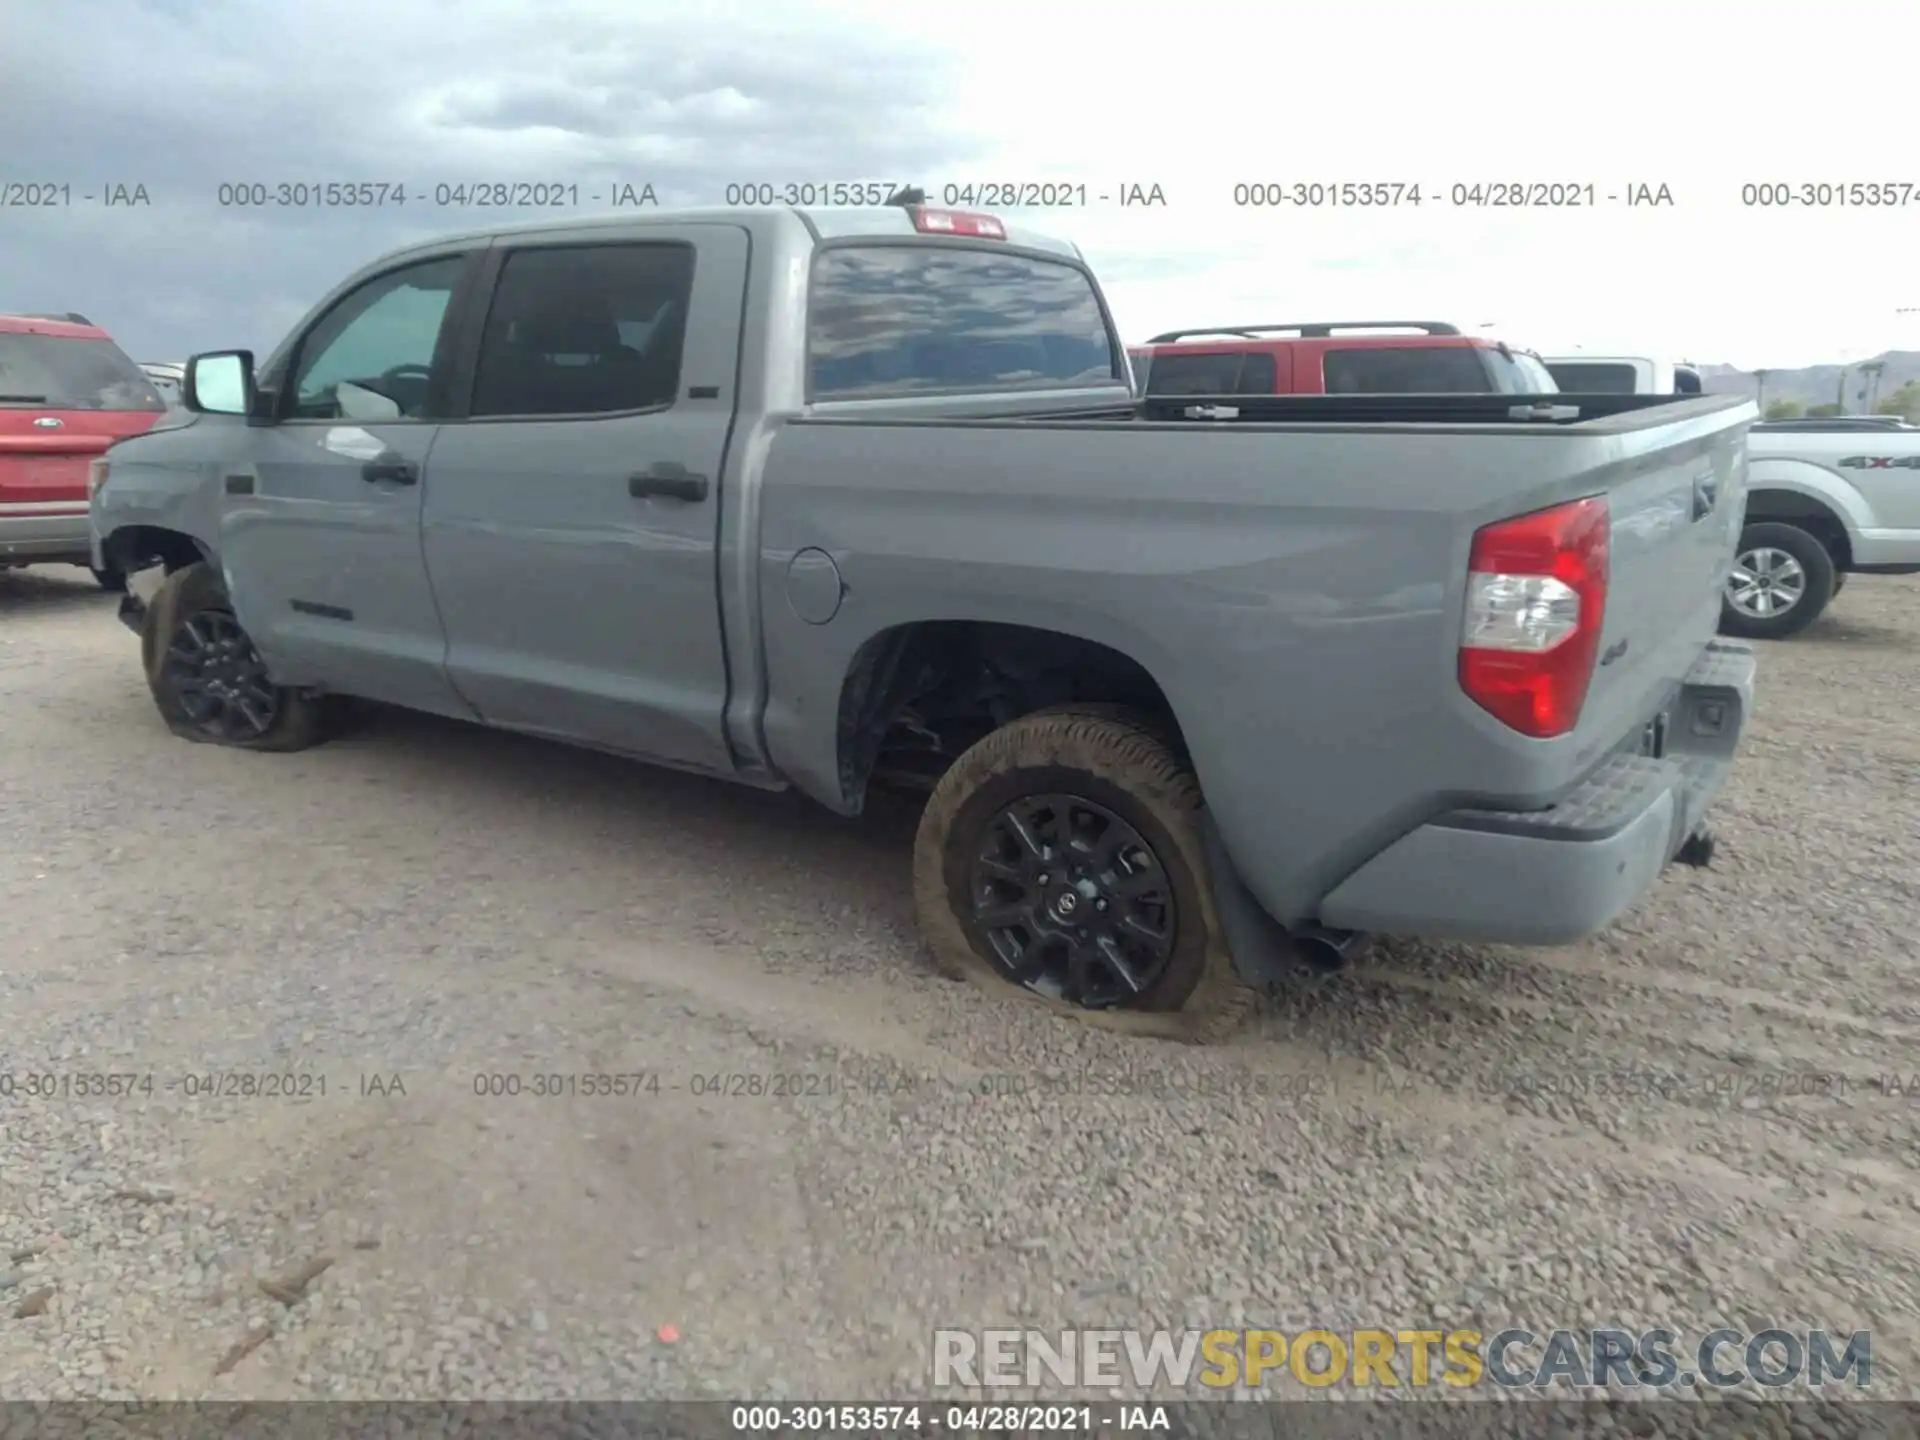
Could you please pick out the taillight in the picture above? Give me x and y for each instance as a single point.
(957, 222)
(1536, 598)
(96, 477)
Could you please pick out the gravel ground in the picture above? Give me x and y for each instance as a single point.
(420, 906)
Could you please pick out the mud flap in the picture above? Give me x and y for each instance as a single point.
(1262, 952)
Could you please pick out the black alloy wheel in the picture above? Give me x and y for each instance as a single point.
(1061, 859)
(210, 682)
(1072, 902)
(219, 680)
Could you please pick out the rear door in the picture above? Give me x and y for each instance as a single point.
(320, 525)
(63, 401)
(572, 518)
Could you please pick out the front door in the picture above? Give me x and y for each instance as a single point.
(320, 530)
(571, 523)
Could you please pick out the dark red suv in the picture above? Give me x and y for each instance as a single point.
(67, 392)
(1318, 359)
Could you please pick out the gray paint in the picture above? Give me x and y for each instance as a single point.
(1295, 589)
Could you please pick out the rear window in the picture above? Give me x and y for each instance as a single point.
(919, 319)
(1582, 379)
(59, 374)
(1249, 374)
(1406, 370)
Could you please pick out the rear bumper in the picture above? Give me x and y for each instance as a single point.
(45, 533)
(1554, 876)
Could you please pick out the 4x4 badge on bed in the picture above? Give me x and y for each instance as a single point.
(49, 422)
(1881, 462)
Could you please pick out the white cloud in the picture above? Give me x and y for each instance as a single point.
(1701, 98)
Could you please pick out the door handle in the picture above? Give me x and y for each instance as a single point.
(392, 469)
(670, 480)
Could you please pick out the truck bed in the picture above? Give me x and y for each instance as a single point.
(1298, 595)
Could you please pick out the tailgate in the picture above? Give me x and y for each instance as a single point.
(43, 462)
(1676, 502)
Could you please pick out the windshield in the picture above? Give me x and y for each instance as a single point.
(1539, 379)
(60, 374)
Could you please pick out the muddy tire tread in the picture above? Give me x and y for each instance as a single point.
(1129, 750)
(303, 720)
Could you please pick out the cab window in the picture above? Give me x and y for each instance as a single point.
(375, 354)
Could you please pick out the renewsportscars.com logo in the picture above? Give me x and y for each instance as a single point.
(1154, 1360)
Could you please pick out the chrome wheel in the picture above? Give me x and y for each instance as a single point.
(1765, 582)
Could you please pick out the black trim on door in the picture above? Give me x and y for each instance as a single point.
(468, 324)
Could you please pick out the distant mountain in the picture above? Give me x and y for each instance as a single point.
(1818, 384)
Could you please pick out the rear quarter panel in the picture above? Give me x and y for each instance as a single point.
(1296, 592)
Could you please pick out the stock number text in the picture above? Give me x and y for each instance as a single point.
(1823, 195)
(311, 195)
(63, 1085)
(811, 194)
(1325, 194)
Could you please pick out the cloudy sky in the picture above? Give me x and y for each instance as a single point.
(1702, 98)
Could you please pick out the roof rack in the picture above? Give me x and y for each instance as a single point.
(1319, 330)
(907, 195)
(68, 317)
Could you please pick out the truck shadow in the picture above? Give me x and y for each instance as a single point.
(707, 824)
(1840, 629)
(45, 590)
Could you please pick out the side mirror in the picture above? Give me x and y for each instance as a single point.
(219, 383)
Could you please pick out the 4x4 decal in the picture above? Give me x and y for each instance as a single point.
(1881, 462)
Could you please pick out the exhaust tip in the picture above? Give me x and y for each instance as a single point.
(1324, 950)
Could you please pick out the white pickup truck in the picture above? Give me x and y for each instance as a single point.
(1825, 499)
(1822, 502)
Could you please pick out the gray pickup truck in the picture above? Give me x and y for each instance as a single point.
(1202, 690)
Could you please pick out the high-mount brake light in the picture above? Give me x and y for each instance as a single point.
(1536, 601)
(957, 222)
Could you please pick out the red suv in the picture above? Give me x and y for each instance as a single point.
(1436, 359)
(67, 392)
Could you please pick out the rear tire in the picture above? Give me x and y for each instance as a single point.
(1115, 814)
(1782, 579)
(208, 681)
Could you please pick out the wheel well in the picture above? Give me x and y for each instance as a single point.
(1792, 508)
(136, 547)
(917, 696)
